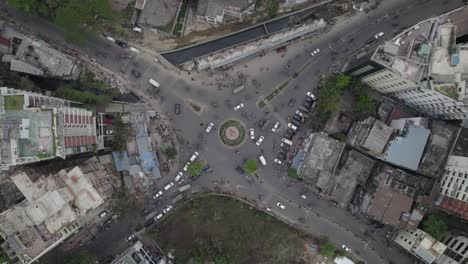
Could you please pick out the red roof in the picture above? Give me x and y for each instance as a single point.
(4, 41)
(455, 206)
(397, 114)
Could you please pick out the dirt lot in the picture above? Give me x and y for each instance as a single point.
(224, 230)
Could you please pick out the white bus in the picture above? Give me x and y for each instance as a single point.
(262, 160)
(155, 83)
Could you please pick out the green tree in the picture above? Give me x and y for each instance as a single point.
(435, 227)
(327, 249)
(251, 166)
(292, 173)
(123, 204)
(26, 84)
(170, 152)
(342, 81)
(272, 7)
(122, 133)
(87, 98)
(364, 102)
(331, 93)
(194, 168)
(46, 8)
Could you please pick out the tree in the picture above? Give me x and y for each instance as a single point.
(364, 102)
(122, 133)
(45, 8)
(292, 173)
(194, 168)
(331, 93)
(272, 7)
(170, 152)
(124, 204)
(327, 249)
(435, 227)
(87, 98)
(251, 166)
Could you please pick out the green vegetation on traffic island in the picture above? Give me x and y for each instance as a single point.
(328, 249)
(194, 168)
(216, 229)
(232, 133)
(436, 227)
(251, 166)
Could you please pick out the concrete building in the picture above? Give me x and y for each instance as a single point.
(454, 183)
(402, 146)
(217, 11)
(457, 250)
(422, 67)
(55, 207)
(420, 244)
(138, 254)
(36, 127)
(392, 197)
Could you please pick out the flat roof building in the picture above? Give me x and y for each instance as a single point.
(420, 244)
(35, 127)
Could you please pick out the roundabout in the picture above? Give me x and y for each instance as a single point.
(232, 133)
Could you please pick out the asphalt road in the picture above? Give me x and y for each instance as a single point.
(212, 91)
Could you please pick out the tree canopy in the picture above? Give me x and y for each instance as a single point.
(435, 227)
(331, 93)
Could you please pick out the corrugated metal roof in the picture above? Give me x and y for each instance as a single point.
(406, 151)
(120, 160)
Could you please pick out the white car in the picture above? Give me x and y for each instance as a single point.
(130, 238)
(179, 176)
(168, 186)
(315, 52)
(194, 156)
(280, 205)
(378, 35)
(186, 166)
(111, 39)
(158, 217)
(277, 161)
(167, 209)
(345, 248)
(103, 214)
(109, 132)
(275, 127)
(299, 113)
(158, 194)
(268, 209)
(303, 196)
(293, 127)
(239, 106)
(311, 95)
(260, 140)
(357, 8)
(252, 133)
(210, 126)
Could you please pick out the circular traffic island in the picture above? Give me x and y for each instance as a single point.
(232, 133)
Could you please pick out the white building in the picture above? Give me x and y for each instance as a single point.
(422, 67)
(420, 244)
(216, 11)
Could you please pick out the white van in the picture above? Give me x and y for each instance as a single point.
(194, 156)
(155, 83)
(262, 160)
(137, 51)
(287, 141)
(137, 29)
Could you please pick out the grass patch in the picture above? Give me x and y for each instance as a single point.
(251, 166)
(194, 168)
(13, 102)
(292, 173)
(222, 230)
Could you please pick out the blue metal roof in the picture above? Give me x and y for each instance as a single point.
(406, 151)
(296, 161)
(121, 160)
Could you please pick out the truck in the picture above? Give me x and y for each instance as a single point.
(238, 89)
(185, 188)
(177, 198)
(287, 141)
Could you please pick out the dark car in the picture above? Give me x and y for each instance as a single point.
(297, 117)
(291, 131)
(295, 122)
(149, 222)
(121, 44)
(281, 156)
(138, 228)
(308, 99)
(177, 109)
(288, 136)
(307, 105)
(240, 170)
(158, 202)
(135, 73)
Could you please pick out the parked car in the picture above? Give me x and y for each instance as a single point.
(179, 176)
(177, 109)
(315, 52)
(168, 186)
(280, 205)
(252, 133)
(210, 126)
(357, 8)
(275, 127)
(109, 132)
(194, 156)
(135, 73)
(295, 122)
(299, 113)
(292, 126)
(297, 117)
(288, 136)
(345, 248)
(130, 238)
(378, 35)
(311, 95)
(260, 140)
(138, 228)
(277, 161)
(103, 214)
(158, 194)
(169, 208)
(239, 106)
(159, 216)
(148, 223)
(111, 39)
(121, 44)
(240, 170)
(186, 166)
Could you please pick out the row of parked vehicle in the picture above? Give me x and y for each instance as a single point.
(297, 120)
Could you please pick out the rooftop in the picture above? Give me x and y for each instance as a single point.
(321, 159)
(406, 150)
(214, 8)
(460, 148)
(370, 134)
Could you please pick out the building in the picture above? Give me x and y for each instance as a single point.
(423, 67)
(420, 244)
(457, 250)
(35, 127)
(454, 183)
(217, 11)
(403, 145)
(394, 197)
(138, 254)
(55, 207)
